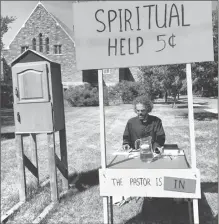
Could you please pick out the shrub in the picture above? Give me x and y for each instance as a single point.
(6, 96)
(84, 95)
(127, 91)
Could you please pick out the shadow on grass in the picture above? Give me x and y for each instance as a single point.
(201, 116)
(84, 180)
(165, 210)
(194, 106)
(168, 102)
(8, 135)
(159, 210)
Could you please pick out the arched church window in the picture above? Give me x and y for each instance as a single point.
(47, 45)
(41, 42)
(34, 44)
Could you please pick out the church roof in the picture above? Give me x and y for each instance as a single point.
(66, 29)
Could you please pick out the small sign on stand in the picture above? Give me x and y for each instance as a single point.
(118, 34)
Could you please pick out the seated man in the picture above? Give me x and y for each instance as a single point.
(143, 125)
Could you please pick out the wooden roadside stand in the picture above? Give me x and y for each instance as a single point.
(116, 34)
(39, 109)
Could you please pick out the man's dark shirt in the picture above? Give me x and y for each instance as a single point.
(136, 129)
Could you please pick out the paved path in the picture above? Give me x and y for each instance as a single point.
(208, 104)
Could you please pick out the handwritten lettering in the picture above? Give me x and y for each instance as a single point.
(123, 46)
(179, 184)
(117, 181)
(173, 14)
(130, 20)
(159, 181)
(140, 181)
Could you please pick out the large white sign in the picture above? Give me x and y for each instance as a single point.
(110, 34)
(178, 183)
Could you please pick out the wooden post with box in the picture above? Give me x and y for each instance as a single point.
(145, 33)
(39, 109)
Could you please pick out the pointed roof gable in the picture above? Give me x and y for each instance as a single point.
(65, 28)
(68, 31)
(30, 52)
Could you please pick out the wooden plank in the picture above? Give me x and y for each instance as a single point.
(30, 167)
(52, 167)
(44, 183)
(61, 167)
(148, 183)
(103, 140)
(105, 210)
(10, 212)
(195, 211)
(21, 168)
(102, 120)
(191, 115)
(34, 157)
(64, 158)
(45, 212)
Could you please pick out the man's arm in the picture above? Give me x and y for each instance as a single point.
(160, 135)
(126, 136)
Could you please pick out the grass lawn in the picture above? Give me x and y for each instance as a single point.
(83, 204)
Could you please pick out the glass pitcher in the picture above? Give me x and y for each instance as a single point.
(145, 146)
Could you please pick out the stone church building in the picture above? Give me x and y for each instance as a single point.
(48, 35)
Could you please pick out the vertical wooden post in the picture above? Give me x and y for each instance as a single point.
(52, 166)
(64, 157)
(192, 134)
(195, 211)
(191, 115)
(21, 167)
(34, 157)
(103, 140)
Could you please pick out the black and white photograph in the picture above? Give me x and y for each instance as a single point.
(109, 112)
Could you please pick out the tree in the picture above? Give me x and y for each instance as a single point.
(6, 89)
(171, 79)
(205, 73)
(5, 21)
(152, 77)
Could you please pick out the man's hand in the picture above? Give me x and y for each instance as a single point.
(126, 147)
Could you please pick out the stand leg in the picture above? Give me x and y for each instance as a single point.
(33, 145)
(64, 157)
(190, 211)
(195, 211)
(21, 168)
(52, 167)
(105, 210)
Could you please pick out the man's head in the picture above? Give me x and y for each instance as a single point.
(142, 106)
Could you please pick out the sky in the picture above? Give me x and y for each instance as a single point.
(22, 10)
